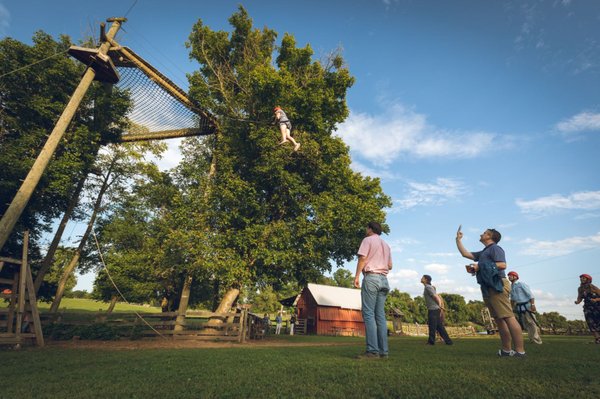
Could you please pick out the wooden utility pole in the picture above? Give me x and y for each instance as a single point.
(19, 202)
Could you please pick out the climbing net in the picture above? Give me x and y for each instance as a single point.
(160, 108)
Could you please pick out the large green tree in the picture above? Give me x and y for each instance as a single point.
(143, 260)
(32, 96)
(263, 212)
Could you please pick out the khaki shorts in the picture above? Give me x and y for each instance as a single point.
(498, 302)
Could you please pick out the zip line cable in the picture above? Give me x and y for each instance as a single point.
(130, 8)
(33, 63)
(117, 288)
(150, 46)
(553, 257)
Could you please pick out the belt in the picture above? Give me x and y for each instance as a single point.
(372, 273)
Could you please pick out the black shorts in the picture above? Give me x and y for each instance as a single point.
(287, 124)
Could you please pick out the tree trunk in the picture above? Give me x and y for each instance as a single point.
(183, 302)
(225, 305)
(113, 302)
(39, 278)
(60, 290)
(187, 286)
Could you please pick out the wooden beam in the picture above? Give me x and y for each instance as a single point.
(14, 261)
(164, 134)
(35, 314)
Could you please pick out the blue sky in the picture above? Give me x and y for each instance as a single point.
(480, 113)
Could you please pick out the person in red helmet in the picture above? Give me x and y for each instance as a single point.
(523, 304)
(285, 126)
(590, 295)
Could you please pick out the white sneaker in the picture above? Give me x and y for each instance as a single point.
(503, 353)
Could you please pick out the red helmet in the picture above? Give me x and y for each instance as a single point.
(277, 108)
(587, 276)
(514, 274)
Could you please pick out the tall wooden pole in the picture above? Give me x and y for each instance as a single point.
(19, 202)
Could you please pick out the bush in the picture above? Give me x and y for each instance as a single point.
(79, 294)
(95, 331)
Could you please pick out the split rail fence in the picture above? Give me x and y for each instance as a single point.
(198, 325)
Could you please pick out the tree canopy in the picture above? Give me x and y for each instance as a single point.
(272, 215)
(32, 97)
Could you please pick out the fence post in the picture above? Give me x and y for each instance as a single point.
(243, 325)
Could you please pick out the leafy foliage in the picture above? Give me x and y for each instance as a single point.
(269, 215)
(32, 99)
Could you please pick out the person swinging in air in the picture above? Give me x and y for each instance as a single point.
(285, 127)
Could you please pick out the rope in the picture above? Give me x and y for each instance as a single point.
(130, 8)
(553, 257)
(117, 288)
(34, 63)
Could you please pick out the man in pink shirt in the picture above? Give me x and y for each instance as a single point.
(374, 262)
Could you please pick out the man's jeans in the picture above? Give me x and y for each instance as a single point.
(435, 324)
(373, 293)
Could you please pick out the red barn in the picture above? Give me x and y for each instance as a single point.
(331, 310)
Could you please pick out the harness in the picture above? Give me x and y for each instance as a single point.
(521, 309)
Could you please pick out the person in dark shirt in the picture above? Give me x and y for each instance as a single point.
(434, 312)
(498, 303)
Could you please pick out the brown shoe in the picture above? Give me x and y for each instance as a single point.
(368, 355)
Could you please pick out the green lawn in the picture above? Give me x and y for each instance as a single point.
(564, 367)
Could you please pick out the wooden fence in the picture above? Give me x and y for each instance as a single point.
(415, 329)
(197, 325)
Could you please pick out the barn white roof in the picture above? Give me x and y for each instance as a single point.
(326, 295)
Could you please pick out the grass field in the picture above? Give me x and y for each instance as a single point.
(564, 367)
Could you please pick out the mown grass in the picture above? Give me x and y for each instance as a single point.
(564, 367)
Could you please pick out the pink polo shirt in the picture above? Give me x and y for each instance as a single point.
(377, 253)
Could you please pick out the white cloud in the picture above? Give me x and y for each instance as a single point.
(583, 200)
(586, 216)
(383, 174)
(442, 254)
(439, 268)
(582, 122)
(399, 276)
(383, 138)
(560, 247)
(399, 245)
(171, 157)
(437, 193)
(4, 20)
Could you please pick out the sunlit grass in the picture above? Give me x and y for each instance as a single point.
(561, 368)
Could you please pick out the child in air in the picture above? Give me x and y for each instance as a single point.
(285, 127)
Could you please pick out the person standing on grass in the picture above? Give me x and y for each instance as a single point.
(266, 324)
(278, 320)
(590, 295)
(495, 289)
(374, 262)
(292, 323)
(523, 304)
(435, 311)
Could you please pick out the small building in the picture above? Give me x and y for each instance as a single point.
(331, 310)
